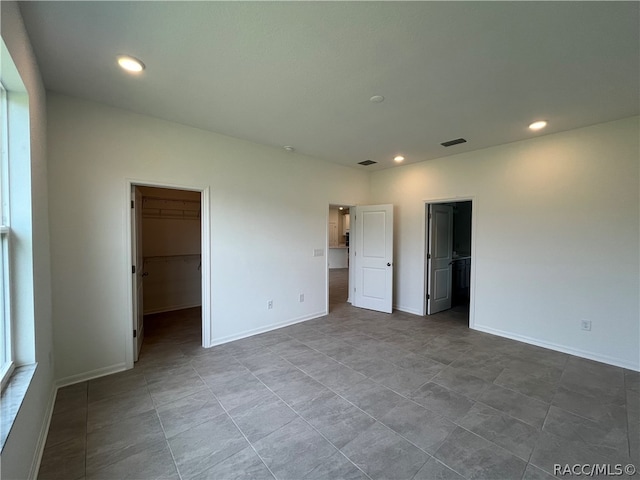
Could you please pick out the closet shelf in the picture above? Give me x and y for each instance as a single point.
(172, 258)
(170, 208)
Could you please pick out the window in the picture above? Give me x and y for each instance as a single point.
(6, 330)
(17, 298)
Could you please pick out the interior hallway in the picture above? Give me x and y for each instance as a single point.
(338, 288)
(355, 394)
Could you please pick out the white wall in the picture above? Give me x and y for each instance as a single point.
(268, 214)
(33, 289)
(556, 236)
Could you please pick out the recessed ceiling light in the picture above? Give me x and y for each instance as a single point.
(288, 148)
(398, 158)
(340, 208)
(130, 64)
(539, 125)
(377, 99)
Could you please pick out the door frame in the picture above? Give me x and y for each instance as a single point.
(205, 242)
(350, 259)
(425, 250)
(137, 277)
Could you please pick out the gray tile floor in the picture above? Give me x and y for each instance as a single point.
(353, 395)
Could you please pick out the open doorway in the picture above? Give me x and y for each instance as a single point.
(338, 228)
(365, 250)
(448, 259)
(167, 233)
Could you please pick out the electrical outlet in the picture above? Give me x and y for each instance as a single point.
(585, 325)
(302, 297)
(270, 304)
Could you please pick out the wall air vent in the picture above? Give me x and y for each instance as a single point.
(367, 162)
(451, 143)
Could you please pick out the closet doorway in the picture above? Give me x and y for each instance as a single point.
(168, 301)
(449, 244)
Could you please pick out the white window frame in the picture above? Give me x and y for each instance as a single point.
(7, 363)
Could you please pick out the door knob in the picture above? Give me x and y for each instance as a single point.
(388, 264)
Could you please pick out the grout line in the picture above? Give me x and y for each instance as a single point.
(237, 426)
(422, 406)
(166, 441)
(189, 360)
(301, 417)
(292, 407)
(345, 399)
(378, 420)
(334, 337)
(164, 433)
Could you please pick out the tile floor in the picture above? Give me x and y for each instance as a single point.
(353, 395)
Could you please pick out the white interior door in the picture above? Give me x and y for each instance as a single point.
(373, 256)
(439, 257)
(138, 271)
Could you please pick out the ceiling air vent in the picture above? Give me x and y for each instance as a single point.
(451, 143)
(367, 162)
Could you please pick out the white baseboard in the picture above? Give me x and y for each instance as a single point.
(44, 432)
(171, 308)
(275, 326)
(618, 362)
(83, 377)
(412, 311)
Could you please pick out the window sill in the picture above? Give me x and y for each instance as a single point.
(12, 397)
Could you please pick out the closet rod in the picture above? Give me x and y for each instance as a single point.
(157, 258)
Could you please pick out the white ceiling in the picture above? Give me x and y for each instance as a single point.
(302, 73)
